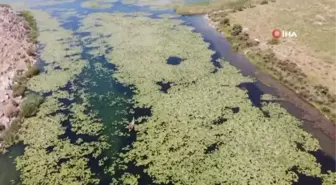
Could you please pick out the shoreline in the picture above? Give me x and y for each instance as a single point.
(18, 58)
(314, 121)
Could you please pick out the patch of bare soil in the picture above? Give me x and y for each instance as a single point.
(17, 53)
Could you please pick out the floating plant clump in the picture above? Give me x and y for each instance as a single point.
(98, 4)
(155, 4)
(60, 160)
(55, 52)
(153, 41)
(169, 16)
(63, 160)
(195, 114)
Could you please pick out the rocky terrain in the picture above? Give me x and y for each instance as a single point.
(17, 53)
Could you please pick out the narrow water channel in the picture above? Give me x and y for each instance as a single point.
(96, 80)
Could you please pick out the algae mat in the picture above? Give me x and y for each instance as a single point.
(204, 130)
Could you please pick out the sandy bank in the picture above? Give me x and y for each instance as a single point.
(17, 53)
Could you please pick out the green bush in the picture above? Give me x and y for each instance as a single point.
(32, 71)
(273, 41)
(28, 16)
(18, 90)
(264, 2)
(30, 105)
(20, 80)
(10, 136)
(236, 29)
(225, 21)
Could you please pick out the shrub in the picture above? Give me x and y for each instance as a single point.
(28, 16)
(2, 127)
(236, 29)
(30, 105)
(32, 71)
(325, 109)
(273, 41)
(9, 136)
(225, 21)
(243, 37)
(18, 90)
(264, 2)
(235, 46)
(20, 80)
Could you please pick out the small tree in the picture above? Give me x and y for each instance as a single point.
(236, 29)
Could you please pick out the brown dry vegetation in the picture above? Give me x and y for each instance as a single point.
(306, 64)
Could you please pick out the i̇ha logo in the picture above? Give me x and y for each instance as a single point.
(276, 33)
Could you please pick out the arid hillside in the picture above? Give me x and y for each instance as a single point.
(17, 55)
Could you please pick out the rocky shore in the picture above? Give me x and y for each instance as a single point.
(17, 54)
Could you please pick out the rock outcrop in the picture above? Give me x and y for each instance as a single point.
(15, 56)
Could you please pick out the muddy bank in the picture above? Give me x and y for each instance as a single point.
(314, 121)
(17, 54)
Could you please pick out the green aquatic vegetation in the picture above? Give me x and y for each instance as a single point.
(59, 78)
(23, 5)
(136, 14)
(84, 123)
(154, 4)
(329, 178)
(158, 41)
(205, 129)
(99, 4)
(130, 179)
(246, 145)
(56, 52)
(42, 132)
(64, 14)
(60, 160)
